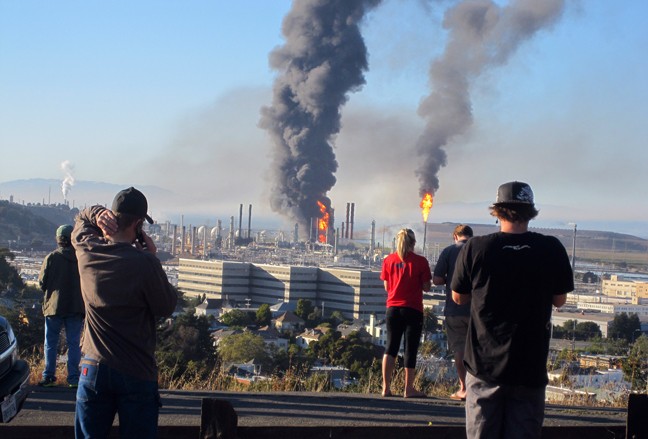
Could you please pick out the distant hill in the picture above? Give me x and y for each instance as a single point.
(592, 245)
(32, 226)
(83, 193)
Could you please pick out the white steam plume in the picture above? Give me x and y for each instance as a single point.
(68, 181)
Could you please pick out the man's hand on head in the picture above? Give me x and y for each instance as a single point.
(107, 222)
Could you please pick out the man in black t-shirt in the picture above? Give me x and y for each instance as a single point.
(456, 316)
(511, 279)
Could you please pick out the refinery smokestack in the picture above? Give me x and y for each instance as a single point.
(240, 231)
(182, 234)
(337, 238)
(347, 220)
(173, 241)
(352, 220)
(204, 242)
(249, 222)
(231, 233)
(193, 240)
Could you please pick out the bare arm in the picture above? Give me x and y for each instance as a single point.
(438, 280)
(559, 300)
(386, 287)
(460, 299)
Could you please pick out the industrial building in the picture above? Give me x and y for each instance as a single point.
(634, 290)
(215, 279)
(282, 283)
(356, 293)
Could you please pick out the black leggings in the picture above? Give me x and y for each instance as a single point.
(408, 321)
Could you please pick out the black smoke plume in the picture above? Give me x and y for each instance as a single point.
(322, 60)
(481, 35)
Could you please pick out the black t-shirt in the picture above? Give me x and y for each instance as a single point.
(512, 279)
(445, 268)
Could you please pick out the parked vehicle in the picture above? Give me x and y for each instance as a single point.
(14, 374)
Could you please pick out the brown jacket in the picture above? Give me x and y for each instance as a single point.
(59, 280)
(125, 290)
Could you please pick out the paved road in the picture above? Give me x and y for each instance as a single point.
(55, 406)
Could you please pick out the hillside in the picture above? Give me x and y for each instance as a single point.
(32, 225)
(591, 245)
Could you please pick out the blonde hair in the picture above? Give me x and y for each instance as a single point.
(405, 240)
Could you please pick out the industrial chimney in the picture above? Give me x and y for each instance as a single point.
(352, 220)
(348, 206)
(240, 221)
(249, 223)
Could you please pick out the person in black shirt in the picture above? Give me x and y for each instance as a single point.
(456, 316)
(511, 279)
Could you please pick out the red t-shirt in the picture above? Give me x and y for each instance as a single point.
(405, 280)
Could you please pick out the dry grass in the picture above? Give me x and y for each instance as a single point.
(295, 380)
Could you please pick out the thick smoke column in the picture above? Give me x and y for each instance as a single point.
(68, 181)
(481, 35)
(322, 60)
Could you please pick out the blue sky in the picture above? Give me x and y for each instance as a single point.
(168, 93)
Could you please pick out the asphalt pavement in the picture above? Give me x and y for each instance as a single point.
(54, 406)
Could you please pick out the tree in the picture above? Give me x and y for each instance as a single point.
(187, 340)
(304, 308)
(635, 367)
(241, 348)
(587, 331)
(263, 315)
(624, 326)
(236, 317)
(336, 317)
(569, 329)
(9, 276)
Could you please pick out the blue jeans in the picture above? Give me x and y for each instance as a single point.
(73, 326)
(103, 391)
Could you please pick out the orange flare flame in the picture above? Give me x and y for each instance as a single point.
(426, 205)
(322, 223)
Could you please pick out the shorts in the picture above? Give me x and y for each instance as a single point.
(457, 331)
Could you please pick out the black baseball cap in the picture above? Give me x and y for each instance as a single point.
(132, 202)
(514, 192)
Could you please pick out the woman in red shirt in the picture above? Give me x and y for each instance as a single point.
(406, 276)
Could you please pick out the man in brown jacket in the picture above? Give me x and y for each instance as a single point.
(62, 307)
(125, 291)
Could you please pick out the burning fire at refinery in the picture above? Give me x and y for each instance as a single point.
(426, 204)
(323, 224)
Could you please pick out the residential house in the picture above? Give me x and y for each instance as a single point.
(210, 307)
(288, 322)
(308, 336)
(271, 337)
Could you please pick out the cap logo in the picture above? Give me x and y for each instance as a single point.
(525, 195)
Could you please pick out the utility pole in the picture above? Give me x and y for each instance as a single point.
(573, 255)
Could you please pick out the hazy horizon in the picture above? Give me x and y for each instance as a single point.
(165, 205)
(171, 94)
